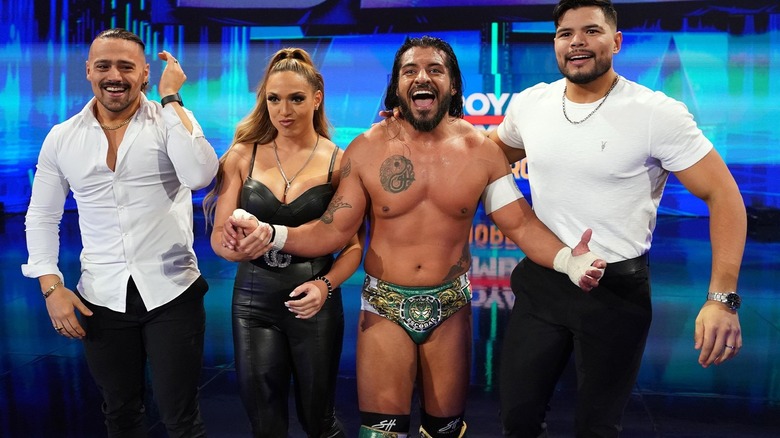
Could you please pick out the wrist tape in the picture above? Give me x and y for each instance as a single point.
(573, 266)
(279, 236)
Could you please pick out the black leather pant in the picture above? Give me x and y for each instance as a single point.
(272, 347)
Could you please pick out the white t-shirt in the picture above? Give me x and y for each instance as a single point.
(134, 221)
(607, 173)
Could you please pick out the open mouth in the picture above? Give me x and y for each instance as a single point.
(423, 99)
(115, 89)
(579, 58)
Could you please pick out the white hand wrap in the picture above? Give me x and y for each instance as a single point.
(279, 237)
(240, 213)
(278, 232)
(574, 266)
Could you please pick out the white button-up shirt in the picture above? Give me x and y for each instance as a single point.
(134, 221)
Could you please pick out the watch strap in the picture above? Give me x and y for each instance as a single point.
(730, 299)
(171, 98)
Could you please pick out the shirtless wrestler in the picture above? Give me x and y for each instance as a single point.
(418, 180)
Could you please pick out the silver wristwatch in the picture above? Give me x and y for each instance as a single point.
(730, 299)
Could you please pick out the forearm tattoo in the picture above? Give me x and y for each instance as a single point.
(396, 174)
(461, 265)
(334, 205)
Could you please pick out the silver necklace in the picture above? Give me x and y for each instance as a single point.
(563, 103)
(288, 182)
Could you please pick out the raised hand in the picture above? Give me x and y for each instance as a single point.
(172, 77)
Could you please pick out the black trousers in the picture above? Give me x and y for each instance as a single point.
(170, 337)
(606, 329)
(272, 347)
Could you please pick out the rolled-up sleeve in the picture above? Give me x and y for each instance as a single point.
(192, 155)
(42, 222)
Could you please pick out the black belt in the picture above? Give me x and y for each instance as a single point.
(627, 267)
(282, 261)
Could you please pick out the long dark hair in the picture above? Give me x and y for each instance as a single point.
(391, 95)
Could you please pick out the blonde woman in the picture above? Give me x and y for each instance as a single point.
(288, 321)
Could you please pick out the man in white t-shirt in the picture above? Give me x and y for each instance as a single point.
(599, 150)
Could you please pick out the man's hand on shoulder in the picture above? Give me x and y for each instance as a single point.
(386, 114)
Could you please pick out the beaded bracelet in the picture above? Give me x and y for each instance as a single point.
(327, 283)
(51, 289)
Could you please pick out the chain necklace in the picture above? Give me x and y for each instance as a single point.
(563, 103)
(288, 182)
(114, 128)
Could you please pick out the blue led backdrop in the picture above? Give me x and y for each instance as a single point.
(721, 58)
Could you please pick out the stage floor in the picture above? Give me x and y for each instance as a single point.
(46, 390)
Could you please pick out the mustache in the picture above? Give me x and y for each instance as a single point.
(114, 84)
(422, 87)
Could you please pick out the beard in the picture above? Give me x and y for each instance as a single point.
(580, 76)
(425, 125)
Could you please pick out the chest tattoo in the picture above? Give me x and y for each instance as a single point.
(396, 174)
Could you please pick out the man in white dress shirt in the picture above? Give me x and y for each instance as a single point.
(131, 165)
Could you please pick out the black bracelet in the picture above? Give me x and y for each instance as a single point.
(273, 234)
(171, 98)
(327, 283)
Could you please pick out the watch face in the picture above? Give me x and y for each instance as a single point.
(733, 300)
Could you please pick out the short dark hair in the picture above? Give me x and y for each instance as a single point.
(610, 14)
(391, 95)
(122, 34)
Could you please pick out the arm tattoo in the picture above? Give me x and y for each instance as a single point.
(461, 265)
(346, 169)
(396, 174)
(334, 205)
